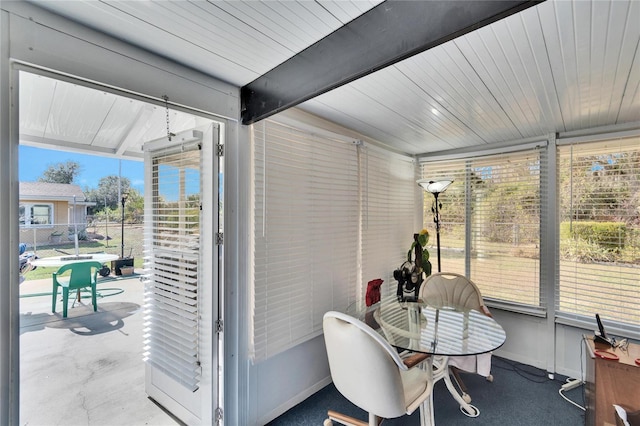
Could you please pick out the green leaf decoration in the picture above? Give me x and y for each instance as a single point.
(427, 267)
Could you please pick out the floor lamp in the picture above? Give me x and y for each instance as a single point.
(122, 200)
(436, 187)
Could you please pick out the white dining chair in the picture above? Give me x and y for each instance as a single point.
(451, 289)
(368, 371)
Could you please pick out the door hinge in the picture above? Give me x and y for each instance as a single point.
(219, 415)
(219, 238)
(219, 326)
(220, 150)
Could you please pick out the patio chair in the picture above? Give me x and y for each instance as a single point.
(82, 274)
(450, 289)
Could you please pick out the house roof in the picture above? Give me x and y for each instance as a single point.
(51, 191)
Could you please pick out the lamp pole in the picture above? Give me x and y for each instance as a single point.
(106, 224)
(123, 199)
(436, 219)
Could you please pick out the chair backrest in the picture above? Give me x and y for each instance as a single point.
(364, 367)
(450, 289)
(82, 273)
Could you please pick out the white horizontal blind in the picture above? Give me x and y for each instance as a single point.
(389, 204)
(599, 195)
(171, 292)
(306, 234)
(505, 226)
(502, 195)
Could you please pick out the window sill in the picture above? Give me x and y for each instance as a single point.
(516, 308)
(589, 324)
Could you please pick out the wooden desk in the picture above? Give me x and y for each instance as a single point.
(611, 382)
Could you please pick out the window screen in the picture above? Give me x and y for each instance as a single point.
(41, 214)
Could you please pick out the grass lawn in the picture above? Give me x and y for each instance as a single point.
(133, 236)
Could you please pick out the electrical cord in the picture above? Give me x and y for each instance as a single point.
(573, 383)
(523, 370)
(538, 376)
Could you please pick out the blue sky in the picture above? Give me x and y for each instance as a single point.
(34, 161)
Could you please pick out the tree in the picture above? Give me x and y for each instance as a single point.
(61, 172)
(134, 207)
(109, 192)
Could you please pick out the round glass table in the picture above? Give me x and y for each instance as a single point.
(436, 331)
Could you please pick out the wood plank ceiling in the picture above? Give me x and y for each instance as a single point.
(558, 66)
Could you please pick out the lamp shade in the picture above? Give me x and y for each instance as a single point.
(435, 186)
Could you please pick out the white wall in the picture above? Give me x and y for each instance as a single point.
(287, 379)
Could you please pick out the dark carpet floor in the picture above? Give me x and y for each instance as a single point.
(518, 396)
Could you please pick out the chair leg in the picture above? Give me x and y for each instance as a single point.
(55, 297)
(343, 419)
(65, 300)
(463, 388)
(93, 297)
(427, 417)
(466, 408)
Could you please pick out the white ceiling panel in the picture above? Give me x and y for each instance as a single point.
(117, 122)
(509, 73)
(458, 90)
(75, 117)
(416, 108)
(36, 96)
(346, 11)
(61, 115)
(559, 66)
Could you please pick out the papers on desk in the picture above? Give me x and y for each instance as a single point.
(621, 414)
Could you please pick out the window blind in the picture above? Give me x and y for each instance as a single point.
(305, 233)
(491, 222)
(388, 218)
(171, 290)
(599, 197)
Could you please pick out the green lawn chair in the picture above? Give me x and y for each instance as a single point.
(83, 274)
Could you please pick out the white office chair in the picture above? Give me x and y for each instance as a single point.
(450, 289)
(368, 372)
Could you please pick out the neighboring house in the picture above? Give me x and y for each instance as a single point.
(48, 211)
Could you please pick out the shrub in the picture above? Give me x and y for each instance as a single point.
(607, 235)
(584, 251)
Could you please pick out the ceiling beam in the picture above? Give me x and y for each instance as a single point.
(390, 32)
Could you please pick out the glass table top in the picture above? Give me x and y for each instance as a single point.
(436, 330)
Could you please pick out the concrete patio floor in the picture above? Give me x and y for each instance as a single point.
(86, 369)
